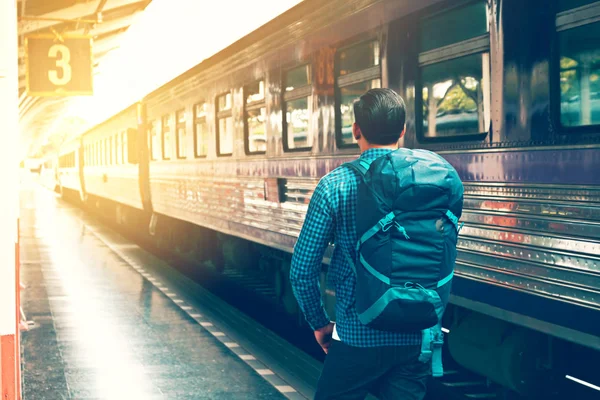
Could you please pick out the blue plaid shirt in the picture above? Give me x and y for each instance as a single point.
(331, 216)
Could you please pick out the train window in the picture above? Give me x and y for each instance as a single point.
(455, 73)
(358, 71)
(201, 133)
(224, 125)
(453, 97)
(295, 103)
(255, 118)
(166, 137)
(153, 140)
(109, 158)
(119, 146)
(104, 151)
(180, 137)
(255, 92)
(358, 57)
(124, 138)
(114, 140)
(297, 135)
(297, 78)
(224, 102)
(579, 64)
(453, 26)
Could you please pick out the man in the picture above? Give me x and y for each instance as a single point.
(359, 358)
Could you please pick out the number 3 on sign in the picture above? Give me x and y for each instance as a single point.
(62, 63)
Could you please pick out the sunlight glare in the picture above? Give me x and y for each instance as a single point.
(169, 38)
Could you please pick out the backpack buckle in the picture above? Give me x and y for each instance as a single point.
(386, 222)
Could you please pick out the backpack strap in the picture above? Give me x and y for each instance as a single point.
(360, 165)
(350, 261)
(454, 219)
(431, 349)
(447, 279)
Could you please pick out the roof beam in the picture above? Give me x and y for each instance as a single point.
(100, 29)
(77, 11)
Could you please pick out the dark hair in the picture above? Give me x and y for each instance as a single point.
(380, 114)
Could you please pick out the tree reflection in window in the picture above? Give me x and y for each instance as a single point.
(256, 117)
(580, 76)
(257, 135)
(456, 96)
(297, 124)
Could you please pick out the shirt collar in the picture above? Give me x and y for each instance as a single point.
(374, 153)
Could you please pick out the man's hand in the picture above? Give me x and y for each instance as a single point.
(323, 336)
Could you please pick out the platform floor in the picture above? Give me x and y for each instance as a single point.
(104, 331)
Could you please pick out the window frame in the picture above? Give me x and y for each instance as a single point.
(165, 117)
(222, 114)
(564, 21)
(179, 125)
(109, 157)
(468, 47)
(151, 127)
(253, 106)
(199, 120)
(125, 147)
(342, 81)
(119, 146)
(104, 152)
(302, 92)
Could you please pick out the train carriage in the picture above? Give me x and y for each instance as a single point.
(69, 172)
(111, 159)
(505, 90)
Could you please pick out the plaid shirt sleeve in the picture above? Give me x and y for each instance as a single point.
(314, 237)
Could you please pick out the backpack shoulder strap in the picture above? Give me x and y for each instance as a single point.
(360, 165)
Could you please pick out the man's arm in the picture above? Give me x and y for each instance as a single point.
(308, 257)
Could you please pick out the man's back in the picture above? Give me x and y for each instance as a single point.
(336, 195)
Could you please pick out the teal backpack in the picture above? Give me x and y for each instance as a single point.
(409, 203)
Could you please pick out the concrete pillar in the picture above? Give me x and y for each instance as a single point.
(10, 385)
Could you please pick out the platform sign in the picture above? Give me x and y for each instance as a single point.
(59, 65)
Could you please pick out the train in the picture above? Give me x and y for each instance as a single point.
(220, 163)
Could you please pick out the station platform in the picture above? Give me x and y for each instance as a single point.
(107, 323)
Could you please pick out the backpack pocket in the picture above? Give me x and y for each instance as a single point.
(405, 308)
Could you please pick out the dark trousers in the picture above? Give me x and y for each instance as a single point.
(389, 372)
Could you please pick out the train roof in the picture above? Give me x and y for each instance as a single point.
(296, 23)
(276, 24)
